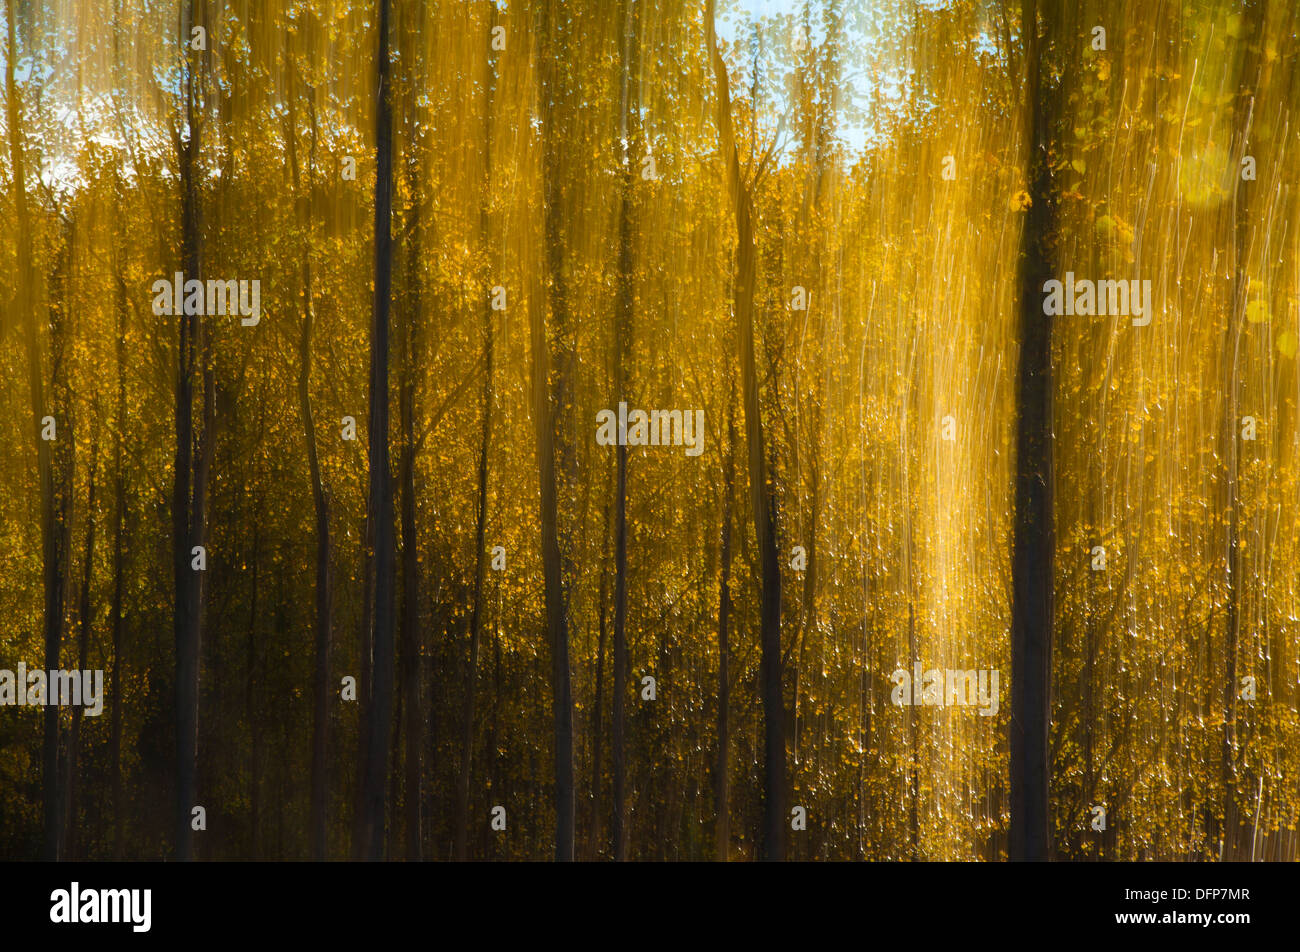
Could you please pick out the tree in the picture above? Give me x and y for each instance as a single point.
(461, 844)
(191, 466)
(1254, 17)
(1033, 544)
(411, 352)
(546, 411)
(630, 135)
(762, 499)
(52, 575)
(379, 707)
(722, 773)
(323, 617)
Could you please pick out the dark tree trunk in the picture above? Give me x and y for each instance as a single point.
(598, 712)
(250, 700)
(413, 709)
(323, 618)
(762, 498)
(1034, 544)
(83, 648)
(119, 518)
(476, 612)
(363, 685)
(722, 775)
(546, 414)
(25, 306)
(461, 844)
(622, 346)
(411, 701)
(379, 709)
(189, 475)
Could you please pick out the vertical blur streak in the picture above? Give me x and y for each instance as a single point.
(380, 709)
(1033, 546)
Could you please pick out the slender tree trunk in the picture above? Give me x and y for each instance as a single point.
(622, 345)
(411, 700)
(461, 844)
(722, 788)
(363, 685)
(83, 648)
(393, 842)
(762, 498)
(64, 463)
(1034, 544)
(323, 618)
(189, 482)
(1243, 114)
(598, 714)
(546, 413)
(379, 710)
(25, 306)
(250, 699)
(324, 615)
(411, 681)
(119, 517)
(476, 611)
(808, 617)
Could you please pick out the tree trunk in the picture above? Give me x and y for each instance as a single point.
(722, 776)
(461, 845)
(83, 648)
(476, 611)
(1243, 113)
(1033, 545)
(413, 709)
(323, 620)
(546, 414)
(762, 498)
(363, 684)
(379, 710)
(119, 517)
(25, 306)
(189, 480)
(622, 345)
(250, 698)
(598, 713)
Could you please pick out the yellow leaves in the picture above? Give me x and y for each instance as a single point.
(1286, 343)
(1123, 232)
(1205, 176)
(1114, 228)
(1020, 201)
(1257, 312)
